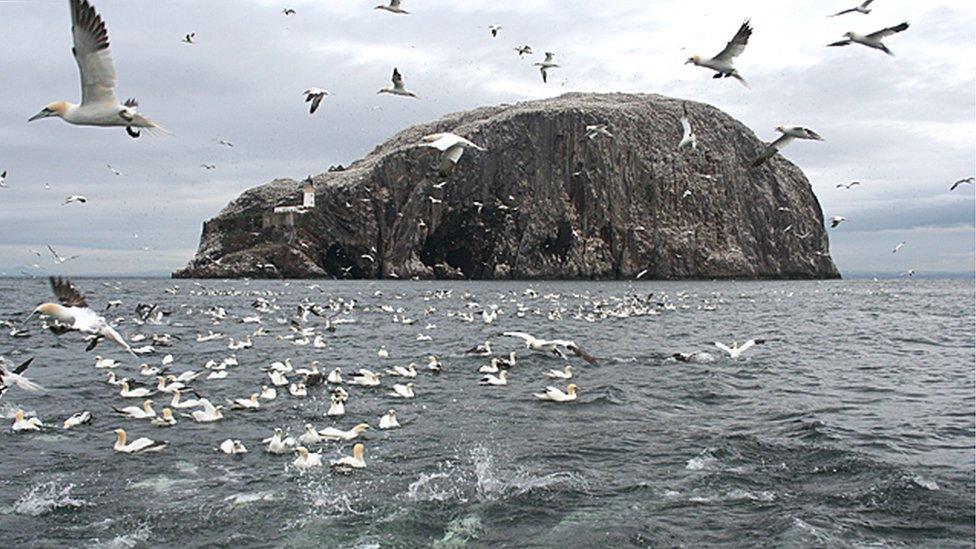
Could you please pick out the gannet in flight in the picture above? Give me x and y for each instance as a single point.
(80, 418)
(736, 351)
(493, 29)
(836, 220)
(75, 198)
(189, 39)
(224, 142)
(789, 134)
(398, 88)
(546, 64)
(452, 148)
(863, 8)
(966, 181)
(524, 50)
(288, 11)
(898, 247)
(9, 378)
(58, 260)
(394, 7)
(389, 421)
(29, 424)
(555, 395)
(847, 186)
(315, 97)
(552, 346)
(99, 107)
(137, 446)
(356, 461)
(331, 433)
(74, 314)
(688, 137)
(873, 40)
(3, 180)
(722, 63)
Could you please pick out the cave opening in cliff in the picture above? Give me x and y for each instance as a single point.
(340, 264)
(561, 243)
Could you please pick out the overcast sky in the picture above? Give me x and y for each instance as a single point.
(905, 126)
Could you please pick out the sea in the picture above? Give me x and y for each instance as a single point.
(851, 426)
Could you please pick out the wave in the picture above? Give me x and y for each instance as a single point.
(44, 498)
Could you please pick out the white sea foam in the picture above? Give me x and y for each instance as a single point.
(46, 497)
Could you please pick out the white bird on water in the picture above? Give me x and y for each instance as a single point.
(393, 7)
(306, 459)
(553, 394)
(331, 433)
(337, 408)
(398, 87)
(873, 40)
(165, 419)
(99, 106)
(548, 63)
(389, 421)
(356, 461)
(722, 63)
(232, 447)
(29, 424)
(403, 391)
(790, 133)
(688, 137)
(135, 412)
(138, 446)
(209, 414)
(552, 346)
(80, 418)
(735, 351)
(492, 379)
(315, 97)
(74, 314)
(278, 443)
(565, 373)
(452, 148)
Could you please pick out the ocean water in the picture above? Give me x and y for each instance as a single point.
(852, 426)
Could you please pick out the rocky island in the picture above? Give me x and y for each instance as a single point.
(544, 201)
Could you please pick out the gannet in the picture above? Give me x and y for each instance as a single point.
(736, 351)
(278, 443)
(722, 63)
(452, 149)
(566, 373)
(409, 372)
(354, 462)
(331, 433)
(135, 412)
(389, 421)
(246, 403)
(398, 86)
(848, 186)
(403, 391)
(481, 350)
(315, 97)
(288, 11)
(106, 363)
(209, 414)
(307, 460)
(113, 380)
(29, 424)
(223, 142)
(335, 376)
(393, 7)
(383, 353)
(688, 137)
(789, 134)
(524, 50)
(547, 64)
(366, 378)
(163, 387)
(297, 389)
(694, 357)
(873, 40)
(74, 314)
(898, 247)
(232, 447)
(74, 198)
(165, 419)
(340, 394)
(863, 8)
(433, 365)
(115, 172)
(58, 259)
(99, 107)
(966, 181)
(222, 374)
(491, 379)
(493, 29)
(337, 409)
(3, 180)
(491, 368)
(189, 39)
(278, 379)
(555, 395)
(12, 377)
(187, 376)
(552, 346)
(140, 445)
(80, 418)
(310, 436)
(145, 369)
(138, 392)
(597, 130)
(167, 360)
(508, 363)
(268, 393)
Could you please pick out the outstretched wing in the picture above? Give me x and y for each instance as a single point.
(316, 101)
(521, 335)
(92, 53)
(771, 149)
(67, 294)
(578, 351)
(884, 33)
(724, 347)
(685, 125)
(397, 78)
(737, 45)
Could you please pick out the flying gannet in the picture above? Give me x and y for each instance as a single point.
(356, 461)
(836, 220)
(3, 180)
(688, 137)
(452, 148)
(722, 63)
(966, 181)
(899, 247)
(555, 395)
(315, 97)
(393, 7)
(22, 424)
(389, 421)
(789, 134)
(74, 198)
(74, 314)
(552, 346)
(523, 50)
(598, 130)
(873, 40)
(546, 64)
(288, 11)
(138, 446)
(848, 186)
(10, 377)
(99, 106)
(735, 351)
(189, 39)
(398, 87)
(493, 29)
(863, 8)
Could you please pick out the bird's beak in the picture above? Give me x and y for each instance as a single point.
(43, 114)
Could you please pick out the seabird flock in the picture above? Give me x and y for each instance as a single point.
(100, 107)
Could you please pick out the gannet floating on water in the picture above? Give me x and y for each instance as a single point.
(383, 353)
(106, 363)
(278, 379)
(135, 412)
(315, 97)
(736, 351)
(398, 87)
(306, 459)
(335, 376)
(80, 418)
(555, 395)
(12, 377)
(688, 137)
(232, 447)
(491, 368)
(699, 357)
(74, 314)
(250, 403)
(481, 350)
(492, 379)
(365, 378)
(409, 372)
(873, 40)
(278, 443)
(722, 63)
(165, 419)
(98, 107)
(452, 148)
(310, 436)
(389, 421)
(29, 424)
(546, 64)
(789, 134)
(297, 389)
(403, 391)
(140, 445)
(433, 365)
(331, 433)
(862, 8)
(268, 393)
(356, 461)
(337, 408)
(393, 7)
(138, 392)
(552, 346)
(565, 373)
(209, 414)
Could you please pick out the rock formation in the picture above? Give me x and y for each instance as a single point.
(544, 202)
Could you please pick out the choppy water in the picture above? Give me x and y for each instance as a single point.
(852, 426)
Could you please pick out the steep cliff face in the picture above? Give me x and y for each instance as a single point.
(542, 202)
